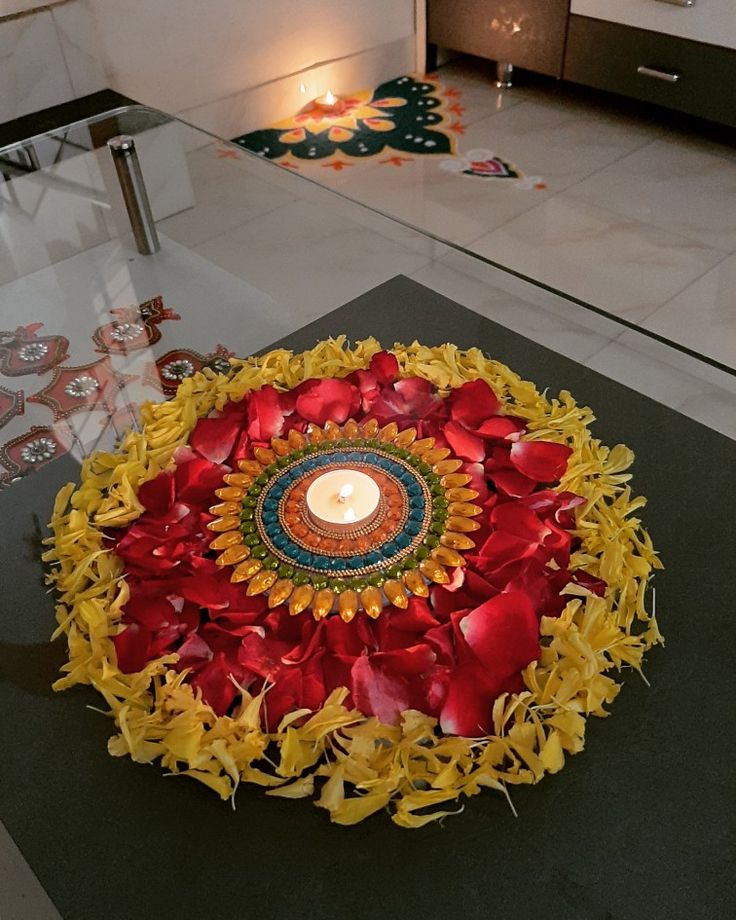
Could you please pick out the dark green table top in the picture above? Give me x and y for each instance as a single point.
(640, 825)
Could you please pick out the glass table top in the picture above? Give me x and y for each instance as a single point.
(250, 252)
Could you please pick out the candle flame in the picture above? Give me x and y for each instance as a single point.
(345, 492)
(330, 97)
(302, 88)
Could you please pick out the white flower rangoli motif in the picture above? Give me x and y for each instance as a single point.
(81, 386)
(126, 332)
(177, 370)
(33, 351)
(38, 450)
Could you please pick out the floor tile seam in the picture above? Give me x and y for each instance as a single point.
(570, 190)
(724, 253)
(690, 284)
(611, 163)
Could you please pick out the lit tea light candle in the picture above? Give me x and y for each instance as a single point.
(342, 499)
(328, 103)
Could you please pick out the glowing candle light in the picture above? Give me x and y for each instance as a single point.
(329, 103)
(343, 499)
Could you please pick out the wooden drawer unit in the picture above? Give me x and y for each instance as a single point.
(526, 33)
(685, 75)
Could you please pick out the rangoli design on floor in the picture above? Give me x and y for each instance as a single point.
(385, 579)
(93, 387)
(11, 404)
(82, 389)
(133, 328)
(22, 352)
(176, 365)
(34, 449)
(408, 115)
(485, 164)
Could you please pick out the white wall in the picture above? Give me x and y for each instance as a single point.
(227, 65)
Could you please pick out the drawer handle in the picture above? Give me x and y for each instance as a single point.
(656, 74)
(679, 2)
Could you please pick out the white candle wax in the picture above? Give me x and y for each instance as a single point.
(342, 498)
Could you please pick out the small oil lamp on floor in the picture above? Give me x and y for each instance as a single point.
(329, 104)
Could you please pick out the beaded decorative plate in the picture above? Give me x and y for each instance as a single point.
(424, 517)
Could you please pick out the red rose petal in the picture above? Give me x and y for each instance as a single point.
(196, 481)
(151, 612)
(473, 403)
(377, 693)
(213, 438)
(513, 483)
(416, 618)
(132, 648)
(329, 399)
(503, 633)
(205, 590)
(214, 680)
(385, 366)
(540, 460)
(463, 443)
(157, 495)
(468, 707)
(265, 414)
(514, 518)
(501, 427)
(194, 652)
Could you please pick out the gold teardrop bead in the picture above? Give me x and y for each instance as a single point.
(416, 584)
(456, 540)
(315, 434)
(251, 467)
(422, 446)
(351, 430)
(406, 437)
(229, 522)
(300, 599)
(225, 508)
(264, 456)
(434, 571)
(388, 432)
(280, 592)
(396, 593)
(370, 598)
(241, 480)
(462, 524)
(322, 603)
(347, 604)
(370, 428)
(230, 538)
(233, 555)
(447, 466)
(230, 494)
(464, 509)
(261, 582)
(446, 556)
(455, 480)
(280, 446)
(461, 495)
(296, 439)
(246, 570)
(332, 431)
(434, 456)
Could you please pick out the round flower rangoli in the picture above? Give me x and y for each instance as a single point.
(406, 572)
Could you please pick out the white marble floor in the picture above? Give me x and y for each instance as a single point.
(637, 216)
